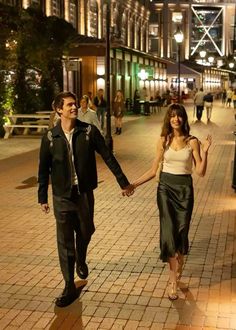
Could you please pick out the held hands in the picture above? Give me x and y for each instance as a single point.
(207, 143)
(128, 191)
(45, 208)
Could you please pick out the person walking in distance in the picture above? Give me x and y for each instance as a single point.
(88, 115)
(118, 110)
(101, 105)
(199, 103)
(229, 97)
(234, 99)
(67, 155)
(208, 103)
(178, 151)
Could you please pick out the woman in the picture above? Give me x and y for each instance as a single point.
(118, 110)
(177, 150)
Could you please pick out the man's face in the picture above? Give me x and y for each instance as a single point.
(69, 109)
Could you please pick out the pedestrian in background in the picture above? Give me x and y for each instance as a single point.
(118, 111)
(208, 104)
(199, 103)
(136, 107)
(145, 97)
(224, 95)
(234, 98)
(177, 151)
(88, 115)
(67, 155)
(101, 105)
(229, 97)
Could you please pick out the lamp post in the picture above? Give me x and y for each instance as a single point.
(108, 137)
(202, 54)
(231, 66)
(210, 60)
(178, 38)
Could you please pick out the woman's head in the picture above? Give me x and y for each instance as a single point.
(84, 101)
(119, 95)
(175, 110)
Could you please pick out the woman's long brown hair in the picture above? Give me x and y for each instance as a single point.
(167, 131)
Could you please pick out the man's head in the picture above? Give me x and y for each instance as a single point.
(65, 105)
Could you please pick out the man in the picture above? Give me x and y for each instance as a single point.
(67, 154)
(208, 103)
(101, 105)
(229, 97)
(199, 103)
(88, 115)
(144, 95)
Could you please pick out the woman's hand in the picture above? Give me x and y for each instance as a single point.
(45, 208)
(207, 143)
(128, 191)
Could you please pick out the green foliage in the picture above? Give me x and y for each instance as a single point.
(31, 50)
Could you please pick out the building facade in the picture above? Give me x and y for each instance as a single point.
(208, 25)
(85, 63)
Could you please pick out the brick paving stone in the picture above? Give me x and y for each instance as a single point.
(131, 325)
(119, 324)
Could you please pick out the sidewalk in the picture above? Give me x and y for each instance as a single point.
(126, 287)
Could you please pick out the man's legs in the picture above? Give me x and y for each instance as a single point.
(199, 111)
(84, 230)
(66, 249)
(66, 243)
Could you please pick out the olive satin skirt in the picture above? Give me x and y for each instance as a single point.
(175, 204)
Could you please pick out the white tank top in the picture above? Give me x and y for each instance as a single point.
(178, 162)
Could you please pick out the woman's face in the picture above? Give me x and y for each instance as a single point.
(176, 121)
(83, 104)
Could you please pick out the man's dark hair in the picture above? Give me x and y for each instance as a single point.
(59, 99)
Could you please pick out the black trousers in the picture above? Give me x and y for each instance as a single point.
(75, 226)
(199, 111)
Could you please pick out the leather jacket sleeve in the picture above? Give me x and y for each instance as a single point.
(44, 170)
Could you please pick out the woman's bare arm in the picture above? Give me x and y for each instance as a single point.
(200, 154)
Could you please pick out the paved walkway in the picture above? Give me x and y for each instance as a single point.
(126, 288)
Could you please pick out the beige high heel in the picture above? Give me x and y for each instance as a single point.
(172, 294)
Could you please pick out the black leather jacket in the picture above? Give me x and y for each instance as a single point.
(55, 161)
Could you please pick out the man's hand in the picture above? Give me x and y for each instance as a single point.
(45, 208)
(128, 191)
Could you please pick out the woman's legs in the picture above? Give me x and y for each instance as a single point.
(118, 124)
(173, 264)
(180, 260)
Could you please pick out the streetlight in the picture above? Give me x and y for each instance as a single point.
(108, 137)
(231, 66)
(178, 38)
(202, 54)
(210, 60)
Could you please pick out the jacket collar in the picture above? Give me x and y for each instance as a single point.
(79, 127)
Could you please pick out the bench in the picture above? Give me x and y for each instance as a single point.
(40, 122)
(9, 128)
